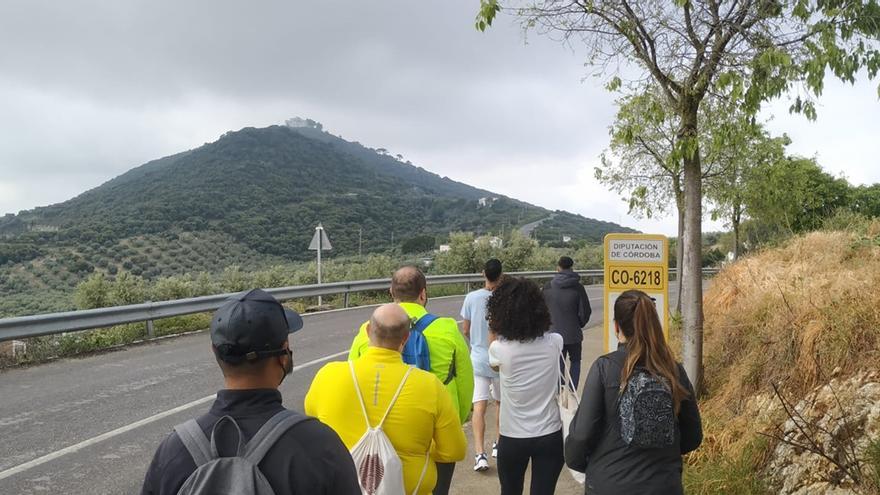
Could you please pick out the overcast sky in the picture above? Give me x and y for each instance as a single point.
(91, 89)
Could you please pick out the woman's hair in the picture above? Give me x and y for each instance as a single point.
(517, 311)
(646, 346)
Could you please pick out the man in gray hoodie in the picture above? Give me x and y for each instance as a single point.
(569, 312)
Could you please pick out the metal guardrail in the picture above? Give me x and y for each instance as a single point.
(71, 321)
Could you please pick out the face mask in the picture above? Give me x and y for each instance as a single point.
(288, 368)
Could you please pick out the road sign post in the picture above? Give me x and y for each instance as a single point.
(320, 242)
(636, 261)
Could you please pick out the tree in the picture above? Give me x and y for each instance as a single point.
(747, 149)
(643, 163)
(755, 49)
(461, 254)
(866, 200)
(515, 254)
(794, 195)
(417, 244)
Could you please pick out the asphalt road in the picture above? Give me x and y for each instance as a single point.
(90, 425)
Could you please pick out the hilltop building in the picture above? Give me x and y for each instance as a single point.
(298, 123)
(486, 201)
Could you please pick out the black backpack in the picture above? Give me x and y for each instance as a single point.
(647, 411)
(240, 474)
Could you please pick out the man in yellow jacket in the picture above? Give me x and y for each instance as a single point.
(449, 352)
(422, 420)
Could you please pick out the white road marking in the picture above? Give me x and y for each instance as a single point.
(137, 424)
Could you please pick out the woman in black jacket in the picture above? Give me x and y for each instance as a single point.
(638, 414)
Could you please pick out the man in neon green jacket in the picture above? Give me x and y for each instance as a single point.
(450, 356)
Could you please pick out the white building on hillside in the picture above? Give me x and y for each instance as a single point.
(494, 241)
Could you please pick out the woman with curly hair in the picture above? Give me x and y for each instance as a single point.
(527, 359)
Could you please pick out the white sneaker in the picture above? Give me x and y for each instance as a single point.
(495, 450)
(481, 463)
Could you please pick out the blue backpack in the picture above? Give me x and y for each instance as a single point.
(415, 351)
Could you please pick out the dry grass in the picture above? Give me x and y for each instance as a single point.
(790, 316)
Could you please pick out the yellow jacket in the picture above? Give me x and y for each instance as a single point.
(422, 418)
(447, 346)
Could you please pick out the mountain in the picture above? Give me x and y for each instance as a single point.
(253, 198)
(268, 188)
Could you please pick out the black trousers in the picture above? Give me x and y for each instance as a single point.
(573, 353)
(444, 478)
(547, 458)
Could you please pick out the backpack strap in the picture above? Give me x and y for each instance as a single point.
(565, 376)
(423, 322)
(195, 441)
(360, 397)
(453, 372)
(270, 432)
(396, 395)
(424, 470)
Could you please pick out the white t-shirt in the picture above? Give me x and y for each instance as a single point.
(474, 310)
(529, 384)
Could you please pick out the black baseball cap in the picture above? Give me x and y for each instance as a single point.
(252, 325)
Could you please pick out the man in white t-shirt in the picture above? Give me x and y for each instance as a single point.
(486, 385)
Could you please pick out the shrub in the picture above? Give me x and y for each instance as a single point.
(128, 289)
(234, 280)
(94, 292)
(169, 288)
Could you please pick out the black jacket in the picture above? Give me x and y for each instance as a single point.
(308, 459)
(569, 306)
(594, 444)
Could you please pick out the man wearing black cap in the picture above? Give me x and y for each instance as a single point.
(249, 339)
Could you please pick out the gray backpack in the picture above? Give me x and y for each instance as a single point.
(232, 475)
(647, 413)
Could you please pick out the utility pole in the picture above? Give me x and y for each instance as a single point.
(360, 240)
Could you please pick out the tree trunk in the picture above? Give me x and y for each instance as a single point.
(692, 276)
(679, 245)
(737, 213)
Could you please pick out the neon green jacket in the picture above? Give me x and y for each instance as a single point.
(447, 347)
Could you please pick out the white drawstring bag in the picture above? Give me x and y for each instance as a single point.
(380, 471)
(568, 404)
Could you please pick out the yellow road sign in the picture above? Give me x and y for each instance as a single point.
(635, 261)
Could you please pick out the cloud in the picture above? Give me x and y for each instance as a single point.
(95, 88)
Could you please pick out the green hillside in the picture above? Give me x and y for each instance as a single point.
(252, 198)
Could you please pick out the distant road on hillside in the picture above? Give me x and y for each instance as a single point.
(528, 228)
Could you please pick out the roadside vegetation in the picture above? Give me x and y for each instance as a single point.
(101, 288)
(792, 348)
